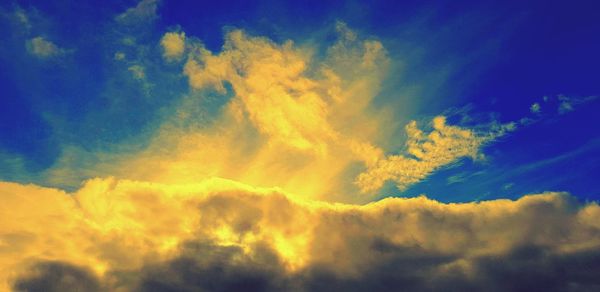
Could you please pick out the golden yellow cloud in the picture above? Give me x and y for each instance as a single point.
(173, 45)
(292, 120)
(442, 146)
(122, 231)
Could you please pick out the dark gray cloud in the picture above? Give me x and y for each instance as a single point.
(204, 266)
(207, 267)
(57, 277)
(525, 268)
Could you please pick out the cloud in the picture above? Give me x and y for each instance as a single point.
(565, 107)
(299, 116)
(294, 119)
(137, 71)
(267, 114)
(282, 100)
(143, 12)
(57, 276)
(206, 267)
(269, 80)
(173, 45)
(463, 177)
(425, 153)
(21, 18)
(42, 48)
(568, 104)
(220, 235)
(565, 104)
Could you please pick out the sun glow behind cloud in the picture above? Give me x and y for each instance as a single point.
(293, 120)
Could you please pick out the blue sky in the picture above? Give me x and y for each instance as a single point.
(489, 60)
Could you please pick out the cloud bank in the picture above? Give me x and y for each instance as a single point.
(220, 235)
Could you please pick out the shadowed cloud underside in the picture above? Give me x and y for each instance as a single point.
(220, 235)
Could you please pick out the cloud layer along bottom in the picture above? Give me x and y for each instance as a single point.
(220, 235)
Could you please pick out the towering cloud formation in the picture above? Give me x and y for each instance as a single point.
(274, 88)
(294, 119)
(220, 235)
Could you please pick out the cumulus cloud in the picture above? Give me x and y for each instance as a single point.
(220, 235)
(173, 45)
(43, 48)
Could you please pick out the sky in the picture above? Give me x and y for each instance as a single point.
(299, 145)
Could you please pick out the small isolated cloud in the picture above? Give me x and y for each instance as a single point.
(137, 71)
(565, 107)
(535, 108)
(508, 186)
(19, 21)
(143, 12)
(22, 18)
(119, 56)
(462, 177)
(43, 48)
(173, 44)
(458, 178)
(561, 104)
(568, 104)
